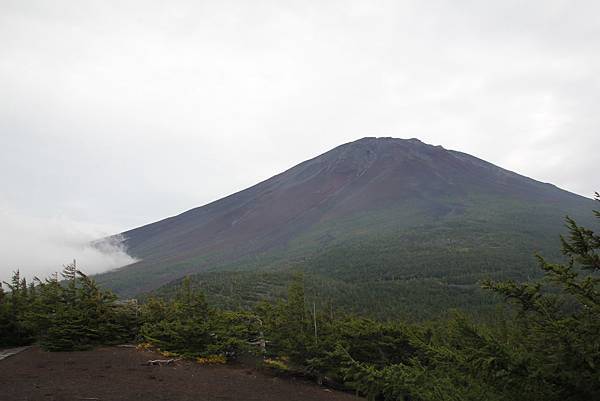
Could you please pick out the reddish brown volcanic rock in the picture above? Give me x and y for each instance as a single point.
(365, 176)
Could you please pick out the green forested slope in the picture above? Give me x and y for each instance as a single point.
(378, 264)
(380, 226)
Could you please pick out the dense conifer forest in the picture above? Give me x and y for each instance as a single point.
(544, 345)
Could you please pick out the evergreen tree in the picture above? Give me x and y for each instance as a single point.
(15, 328)
(559, 317)
(77, 315)
(186, 326)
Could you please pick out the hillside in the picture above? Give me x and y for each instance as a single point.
(388, 214)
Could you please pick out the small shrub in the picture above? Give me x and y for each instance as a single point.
(211, 360)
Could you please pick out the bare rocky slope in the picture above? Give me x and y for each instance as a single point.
(372, 209)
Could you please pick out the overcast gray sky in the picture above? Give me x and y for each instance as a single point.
(114, 114)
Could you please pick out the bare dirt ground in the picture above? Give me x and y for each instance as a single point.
(115, 374)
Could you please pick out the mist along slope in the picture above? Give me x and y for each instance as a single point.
(372, 217)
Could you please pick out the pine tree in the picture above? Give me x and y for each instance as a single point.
(14, 309)
(559, 317)
(181, 325)
(77, 315)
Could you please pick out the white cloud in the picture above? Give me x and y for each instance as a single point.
(41, 246)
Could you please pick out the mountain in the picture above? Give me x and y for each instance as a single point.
(373, 212)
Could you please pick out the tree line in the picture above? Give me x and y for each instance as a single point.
(545, 347)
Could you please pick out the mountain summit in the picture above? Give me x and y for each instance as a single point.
(420, 206)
